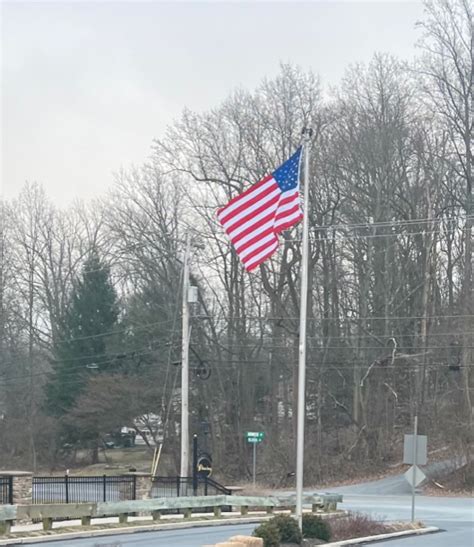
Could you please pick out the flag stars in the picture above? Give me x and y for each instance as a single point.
(287, 174)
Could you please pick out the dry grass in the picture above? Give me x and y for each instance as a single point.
(356, 525)
(114, 462)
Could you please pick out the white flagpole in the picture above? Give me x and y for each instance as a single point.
(307, 133)
(184, 468)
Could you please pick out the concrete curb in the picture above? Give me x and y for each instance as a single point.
(198, 524)
(382, 537)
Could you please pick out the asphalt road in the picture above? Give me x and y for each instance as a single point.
(387, 499)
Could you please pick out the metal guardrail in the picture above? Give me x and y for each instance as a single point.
(68, 489)
(85, 511)
(6, 490)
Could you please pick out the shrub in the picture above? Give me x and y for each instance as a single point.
(316, 527)
(269, 532)
(356, 525)
(288, 527)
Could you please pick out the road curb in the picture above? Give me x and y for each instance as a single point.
(197, 524)
(382, 537)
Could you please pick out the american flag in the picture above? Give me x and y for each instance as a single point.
(253, 219)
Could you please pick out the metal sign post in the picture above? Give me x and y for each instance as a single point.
(413, 483)
(415, 452)
(254, 467)
(254, 437)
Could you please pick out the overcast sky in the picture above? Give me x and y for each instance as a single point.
(86, 86)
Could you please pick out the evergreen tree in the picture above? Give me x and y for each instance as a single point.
(83, 348)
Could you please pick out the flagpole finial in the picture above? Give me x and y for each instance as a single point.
(307, 133)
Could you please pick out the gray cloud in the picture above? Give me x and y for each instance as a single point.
(87, 86)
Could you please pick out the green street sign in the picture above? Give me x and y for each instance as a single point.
(254, 436)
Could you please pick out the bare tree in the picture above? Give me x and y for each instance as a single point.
(448, 71)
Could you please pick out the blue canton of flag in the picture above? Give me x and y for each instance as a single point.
(287, 174)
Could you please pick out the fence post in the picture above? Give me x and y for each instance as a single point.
(104, 479)
(134, 487)
(205, 486)
(66, 484)
(10, 490)
(178, 484)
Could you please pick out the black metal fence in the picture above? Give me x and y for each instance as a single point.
(85, 489)
(171, 487)
(6, 490)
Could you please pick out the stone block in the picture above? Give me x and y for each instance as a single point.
(248, 541)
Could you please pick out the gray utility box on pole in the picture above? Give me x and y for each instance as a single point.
(421, 452)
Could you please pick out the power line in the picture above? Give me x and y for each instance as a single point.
(348, 318)
(312, 365)
(393, 234)
(389, 223)
(139, 326)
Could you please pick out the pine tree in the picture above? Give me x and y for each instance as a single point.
(83, 348)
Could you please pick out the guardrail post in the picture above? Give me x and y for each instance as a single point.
(244, 510)
(123, 518)
(217, 512)
(187, 513)
(47, 524)
(85, 521)
(156, 515)
(5, 527)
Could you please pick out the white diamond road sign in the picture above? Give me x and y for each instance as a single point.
(419, 476)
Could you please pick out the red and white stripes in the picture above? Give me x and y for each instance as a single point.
(254, 219)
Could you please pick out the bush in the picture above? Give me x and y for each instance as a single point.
(356, 525)
(316, 527)
(269, 532)
(288, 527)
